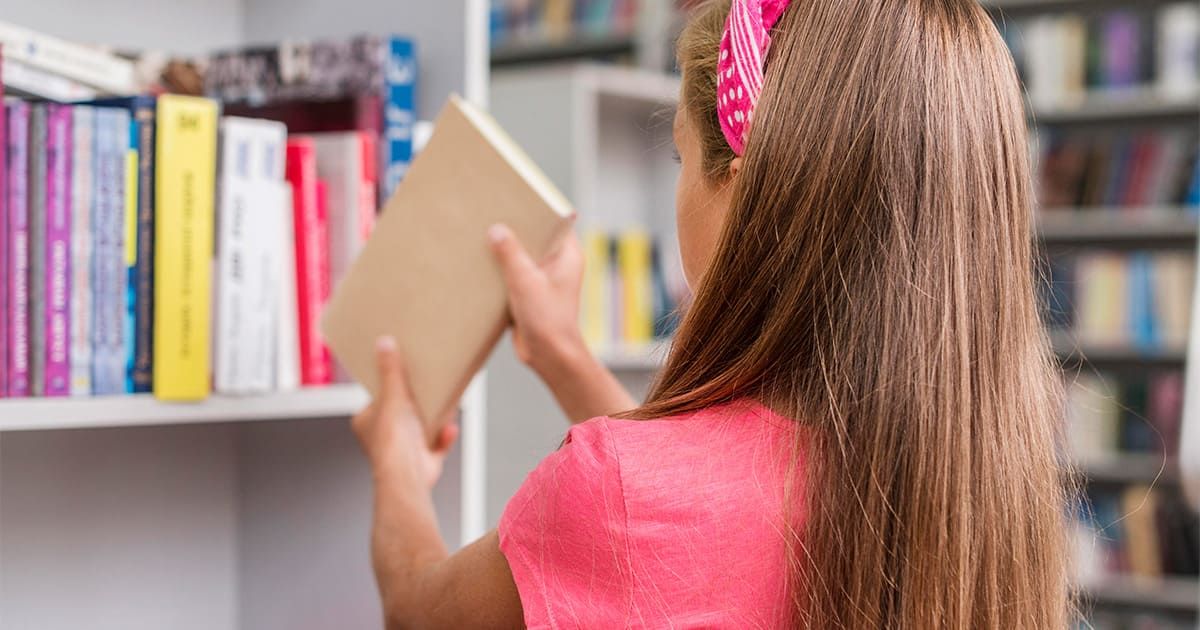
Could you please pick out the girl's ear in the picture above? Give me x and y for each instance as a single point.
(735, 166)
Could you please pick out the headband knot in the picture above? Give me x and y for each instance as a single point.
(740, 67)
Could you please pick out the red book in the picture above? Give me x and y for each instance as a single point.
(312, 258)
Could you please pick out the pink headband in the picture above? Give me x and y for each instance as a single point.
(740, 68)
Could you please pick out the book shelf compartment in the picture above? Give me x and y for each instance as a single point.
(45, 414)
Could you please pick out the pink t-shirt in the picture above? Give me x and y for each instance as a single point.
(673, 523)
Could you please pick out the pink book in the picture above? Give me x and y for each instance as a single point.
(58, 251)
(18, 249)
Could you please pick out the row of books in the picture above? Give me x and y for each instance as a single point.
(632, 290)
(1121, 299)
(1136, 620)
(1139, 531)
(135, 260)
(1128, 170)
(543, 21)
(1064, 57)
(1108, 415)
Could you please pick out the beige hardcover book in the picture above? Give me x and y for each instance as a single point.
(427, 275)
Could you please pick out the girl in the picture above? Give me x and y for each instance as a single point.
(856, 426)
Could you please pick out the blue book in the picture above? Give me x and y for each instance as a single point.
(108, 252)
(399, 112)
(139, 247)
(1143, 329)
(1192, 198)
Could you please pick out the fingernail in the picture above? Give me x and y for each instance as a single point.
(497, 233)
(386, 343)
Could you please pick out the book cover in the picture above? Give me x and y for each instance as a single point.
(287, 344)
(57, 265)
(185, 180)
(139, 239)
(37, 249)
(312, 258)
(17, 280)
(110, 329)
(83, 126)
(637, 291)
(248, 253)
(1178, 51)
(84, 64)
(427, 276)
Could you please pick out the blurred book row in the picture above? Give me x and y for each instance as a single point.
(1064, 57)
(532, 22)
(1109, 299)
(632, 289)
(157, 243)
(1129, 170)
(1109, 416)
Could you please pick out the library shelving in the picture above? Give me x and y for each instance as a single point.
(1117, 226)
(235, 512)
(578, 47)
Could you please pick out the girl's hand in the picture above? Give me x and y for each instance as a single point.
(544, 301)
(391, 433)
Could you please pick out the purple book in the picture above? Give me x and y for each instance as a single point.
(58, 251)
(1122, 49)
(18, 248)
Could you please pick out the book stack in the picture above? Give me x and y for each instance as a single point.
(1121, 300)
(37, 65)
(1062, 58)
(632, 290)
(365, 84)
(154, 244)
(528, 22)
(1129, 171)
(1109, 415)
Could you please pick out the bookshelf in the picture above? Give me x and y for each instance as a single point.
(580, 47)
(235, 512)
(1098, 114)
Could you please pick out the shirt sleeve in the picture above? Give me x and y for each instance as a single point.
(565, 536)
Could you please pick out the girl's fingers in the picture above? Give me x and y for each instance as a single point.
(446, 439)
(394, 396)
(518, 268)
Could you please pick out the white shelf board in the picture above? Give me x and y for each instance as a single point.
(1132, 103)
(641, 86)
(1117, 224)
(1145, 468)
(1175, 593)
(44, 414)
(577, 46)
(1067, 348)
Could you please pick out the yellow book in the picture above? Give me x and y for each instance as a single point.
(637, 288)
(185, 180)
(596, 302)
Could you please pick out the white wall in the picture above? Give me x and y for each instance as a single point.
(182, 26)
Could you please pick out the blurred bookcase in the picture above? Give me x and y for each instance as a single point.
(1115, 111)
(234, 512)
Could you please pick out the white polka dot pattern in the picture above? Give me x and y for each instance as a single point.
(740, 65)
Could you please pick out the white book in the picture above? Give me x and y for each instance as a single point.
(108, 272)
(1179, 49)
(83, 64)
(287, 348)
(248, 255)
(83, 124)
(20, 77)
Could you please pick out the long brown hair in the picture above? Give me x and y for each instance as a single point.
(875, 281)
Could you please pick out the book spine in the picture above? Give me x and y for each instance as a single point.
(595, 309)
(633, 261)
(247, 254)
(37, 83)
(287, 345)
(400, 101)
(37, 249)
(312, 259)
(58, 251)
(79, 63)
(18, 249)
(108, 259)
(186, 178)
(139, 252)
(5, 243)
(83, 125)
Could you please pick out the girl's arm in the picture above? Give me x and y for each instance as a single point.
(544, 301)
(420, 584)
